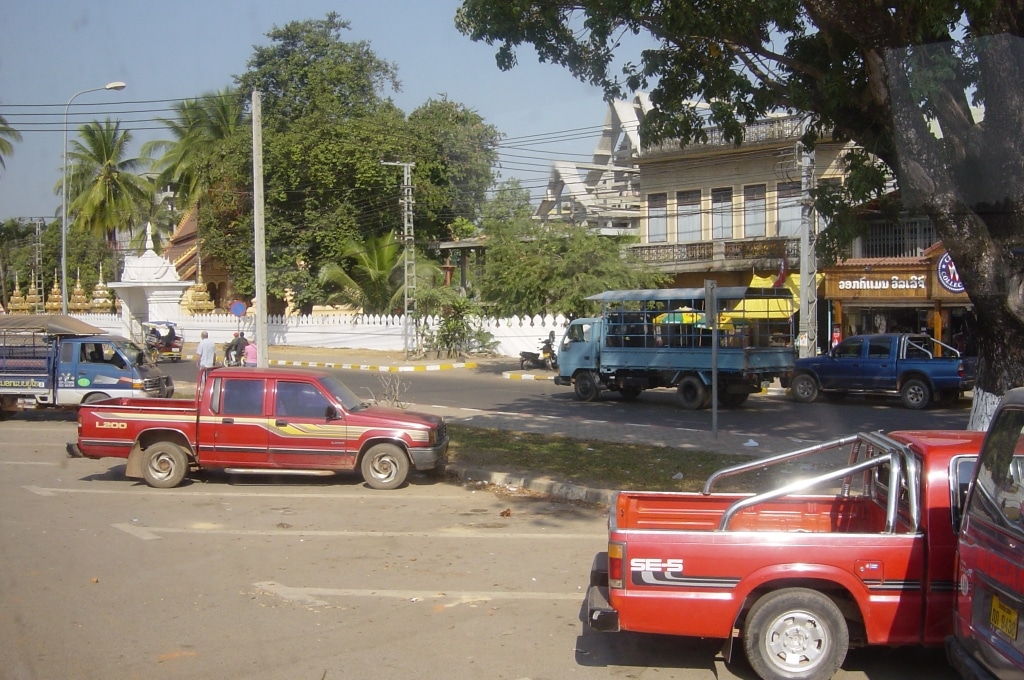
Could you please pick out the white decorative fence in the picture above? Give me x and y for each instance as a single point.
(349, 331)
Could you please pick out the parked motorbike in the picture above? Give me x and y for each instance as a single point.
(545, 358)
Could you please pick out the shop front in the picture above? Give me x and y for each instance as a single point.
(900, 295)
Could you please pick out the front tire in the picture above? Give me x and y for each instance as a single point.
(385, 467)
(804, 389)
(916, 394)
(692, 393)
(585, 386)
(165, 466)
(95, 397)
(795, 634)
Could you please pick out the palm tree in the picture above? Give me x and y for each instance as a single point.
(198, 130)
(105, 188)
(161, 215)
(8, 135)
(375, 282)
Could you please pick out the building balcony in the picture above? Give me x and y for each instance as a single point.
(720, 255)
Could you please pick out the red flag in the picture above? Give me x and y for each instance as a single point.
(779, 282)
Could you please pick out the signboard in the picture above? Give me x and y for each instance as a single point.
(238, 308)
(948, 276)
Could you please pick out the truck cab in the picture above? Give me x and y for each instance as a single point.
(986, 641)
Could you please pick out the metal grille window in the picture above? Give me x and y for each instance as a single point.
(789, 210)
(754, 210)
(721, 213)
(657, 218)
(688, 216)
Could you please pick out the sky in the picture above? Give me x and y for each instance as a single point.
(53, 49)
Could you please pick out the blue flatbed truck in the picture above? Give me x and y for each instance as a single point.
(56, 361)
(670, 338)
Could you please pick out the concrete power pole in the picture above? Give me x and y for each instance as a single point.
(408, 331)
(259, 233)
(808, 334)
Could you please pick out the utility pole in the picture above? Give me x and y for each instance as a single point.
(407, 202)
(259, 233)
(808, 334)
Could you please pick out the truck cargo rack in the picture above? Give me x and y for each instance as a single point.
(879, 449)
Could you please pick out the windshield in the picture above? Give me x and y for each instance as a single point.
(342, 393)
(133, 352)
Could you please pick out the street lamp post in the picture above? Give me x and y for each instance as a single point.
(117, 85)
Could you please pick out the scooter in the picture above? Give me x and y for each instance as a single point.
(545, 358)
(231, 357)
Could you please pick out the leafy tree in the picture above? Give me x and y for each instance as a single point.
(105, 189)
(161, 215)
(199, 129)
(8, 136)
(455, 152)
(898, 79)
(534, 268)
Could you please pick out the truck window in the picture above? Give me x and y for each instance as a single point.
(998, 495)
(879, 348)
(242, 397)
(299, 400)
(850, 349)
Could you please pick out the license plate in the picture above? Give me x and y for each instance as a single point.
(1003, 618)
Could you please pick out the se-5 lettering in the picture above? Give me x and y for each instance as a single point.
(655, 564)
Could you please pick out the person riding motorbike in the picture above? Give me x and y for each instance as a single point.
(235, 349)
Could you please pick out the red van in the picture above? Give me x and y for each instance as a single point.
(990, 598)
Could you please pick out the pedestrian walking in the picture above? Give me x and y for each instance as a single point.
(206, 351)
(250, 354)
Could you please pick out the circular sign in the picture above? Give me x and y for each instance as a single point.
(948, 276)
(238, 308)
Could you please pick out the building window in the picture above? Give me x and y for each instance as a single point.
(657, 218)
(789, 209)
(688, 216)
(754, 210)
(721, 213)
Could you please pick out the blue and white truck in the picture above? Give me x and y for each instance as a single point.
(672, 337)
(55, 361)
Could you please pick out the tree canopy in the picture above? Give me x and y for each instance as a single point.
(537, 268)
(328, 126)
(905, 81)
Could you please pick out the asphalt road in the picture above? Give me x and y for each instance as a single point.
(102, 577)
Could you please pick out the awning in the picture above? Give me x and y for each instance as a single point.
(763, 308)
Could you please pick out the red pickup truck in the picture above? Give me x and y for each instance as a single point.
(860, 552)
(253, 421)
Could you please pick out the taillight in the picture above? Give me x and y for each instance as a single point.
(960, 369)
(616, 555)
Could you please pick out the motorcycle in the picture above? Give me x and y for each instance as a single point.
(231, 356)
(163, 341)
(545, 358)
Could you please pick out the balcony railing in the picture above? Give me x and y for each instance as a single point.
(730, 253)
(781, 129)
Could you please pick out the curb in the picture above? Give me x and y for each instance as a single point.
(537, 484)
(379, 368)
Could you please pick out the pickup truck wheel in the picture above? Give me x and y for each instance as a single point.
(803, 389)
(94, 397)
(165, 466)
(795, 633)
(916, 394)
(585, 386)
(692, 393)
(385, 467)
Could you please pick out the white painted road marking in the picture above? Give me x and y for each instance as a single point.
(311, 596)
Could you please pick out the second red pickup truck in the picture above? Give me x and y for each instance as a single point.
(253, 421)
(860, 552)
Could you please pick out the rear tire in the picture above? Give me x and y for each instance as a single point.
(165, 466)
(804, 389)
(916, 394)
(795, 634)
(585, 386)
(385, 467)
(692, 393)
(94, 397)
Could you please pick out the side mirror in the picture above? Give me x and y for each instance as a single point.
(330, 413)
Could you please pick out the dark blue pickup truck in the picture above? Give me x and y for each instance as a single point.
(918, 368)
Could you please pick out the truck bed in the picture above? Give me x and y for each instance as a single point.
(697, 512)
